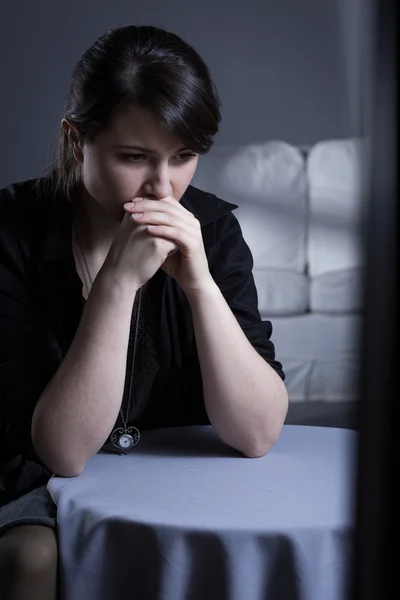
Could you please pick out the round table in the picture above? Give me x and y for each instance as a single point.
(186, 517)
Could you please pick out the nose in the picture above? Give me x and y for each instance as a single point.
(158, 182)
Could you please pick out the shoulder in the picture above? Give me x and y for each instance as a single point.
(19, 202)
(223, 239)
(21, 218)
(21, 191)
(21, 207)
(205, 206)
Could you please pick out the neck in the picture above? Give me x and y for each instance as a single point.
(96, 227)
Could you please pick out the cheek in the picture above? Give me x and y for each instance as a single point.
(188, 174)
(181, 180)
(106, 181)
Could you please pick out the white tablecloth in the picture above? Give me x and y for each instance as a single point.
(185, 517)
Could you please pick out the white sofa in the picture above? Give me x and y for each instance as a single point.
(300, 211)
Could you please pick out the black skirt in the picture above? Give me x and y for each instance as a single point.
(29, 502)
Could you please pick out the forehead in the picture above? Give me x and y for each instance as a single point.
(136, 125)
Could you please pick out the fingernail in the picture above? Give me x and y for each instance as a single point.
(129, 205)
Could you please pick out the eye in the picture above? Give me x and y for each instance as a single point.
(185, 157)
(138, 157)
(133, 157)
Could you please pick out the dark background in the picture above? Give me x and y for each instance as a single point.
(285, 69)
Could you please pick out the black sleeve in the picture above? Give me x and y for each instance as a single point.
(231, 268)
(25, 362)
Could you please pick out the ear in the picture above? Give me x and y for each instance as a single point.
(72, 133)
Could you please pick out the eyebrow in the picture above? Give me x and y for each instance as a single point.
(149, 150)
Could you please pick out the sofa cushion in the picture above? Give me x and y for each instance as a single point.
(337, 292)
(268, 183)
(320, 355)
(281, 292)
(336, 202)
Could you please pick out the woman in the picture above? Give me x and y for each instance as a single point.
(100, 300)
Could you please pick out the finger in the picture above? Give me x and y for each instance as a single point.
(166, 218)
(183, 238)
(167, 201)
(180, 206)
(148, 206)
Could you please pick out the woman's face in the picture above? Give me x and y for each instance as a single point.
(135, 157)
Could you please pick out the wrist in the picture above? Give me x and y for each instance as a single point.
(208, 289)
(116, 287)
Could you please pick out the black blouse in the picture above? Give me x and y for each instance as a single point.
(41, 306)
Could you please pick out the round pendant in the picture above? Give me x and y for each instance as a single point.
(123, 439)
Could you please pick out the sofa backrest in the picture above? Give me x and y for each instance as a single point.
(334, 247)
(336, 200)
(300, 214)
(268, 183)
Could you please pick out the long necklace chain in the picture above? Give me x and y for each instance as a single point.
(124, 420)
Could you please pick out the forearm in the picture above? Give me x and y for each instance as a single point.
(78, 408)
(245, 399)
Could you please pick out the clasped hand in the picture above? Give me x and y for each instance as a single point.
(168, 219)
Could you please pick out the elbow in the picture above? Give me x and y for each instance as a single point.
(260, 446)
(260, 450)
(68, 472)
(63, 470)
(60, 467)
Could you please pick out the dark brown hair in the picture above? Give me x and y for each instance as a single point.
(136, 66)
